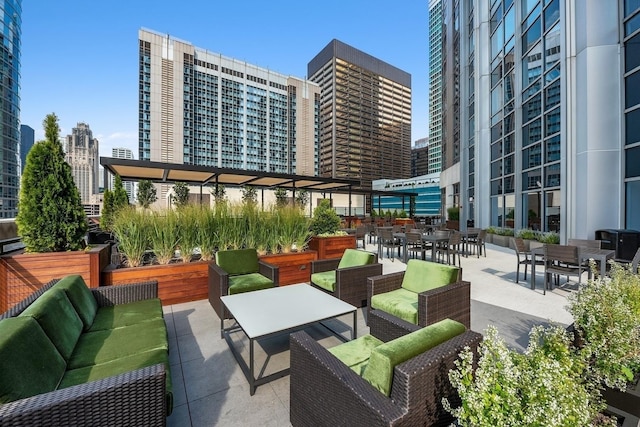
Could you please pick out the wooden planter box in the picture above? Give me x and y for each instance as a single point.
(294, 267)
(22, 274)
(332, 247)
(177, 283)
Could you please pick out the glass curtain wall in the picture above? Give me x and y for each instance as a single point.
(631, 34)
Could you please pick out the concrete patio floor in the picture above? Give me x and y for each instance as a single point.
(210, 388)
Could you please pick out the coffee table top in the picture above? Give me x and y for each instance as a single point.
(268, 311)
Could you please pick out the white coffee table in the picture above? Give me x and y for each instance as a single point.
(261, 314)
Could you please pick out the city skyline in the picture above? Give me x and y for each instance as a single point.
(101, 88)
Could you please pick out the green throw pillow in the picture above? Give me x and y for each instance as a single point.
(384, 358)
(355, 258)
(241, 261)
(81, 298)
(423, 276)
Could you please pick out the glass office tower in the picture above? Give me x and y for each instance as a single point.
(10, 112)
(540, 125)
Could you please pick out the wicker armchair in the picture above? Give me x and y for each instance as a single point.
(451, 301)
(326, 392)
(350, 282)
(219, 279)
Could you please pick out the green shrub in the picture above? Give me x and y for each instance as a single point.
(549, 237)
(453, 213)
(146, 193)
(181, 194)
(164, 235)
(189, 219)
(325, 219)
(527, 234)
(492, 230)
(50, 214)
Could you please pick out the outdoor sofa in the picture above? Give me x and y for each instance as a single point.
(390, 377)
(71, 355)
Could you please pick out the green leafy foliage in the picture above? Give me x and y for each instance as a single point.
(133, 231)
(120, 196)
(302, 198)
(325, 219)
(180, 194)
(219, 193)
(146, 193)
(249, 195)
(50, 214)
(281, 196)
(453, 213)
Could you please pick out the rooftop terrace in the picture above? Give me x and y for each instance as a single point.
(210, 388)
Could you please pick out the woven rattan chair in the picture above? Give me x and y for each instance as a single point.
(350, 282)
(326, 392)
(452, 301)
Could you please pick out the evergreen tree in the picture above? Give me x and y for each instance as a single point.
(146, 193)
(325, 219)
(281, 196)
(50, 214)
(181, 194)
(120, 196)
(107, 214)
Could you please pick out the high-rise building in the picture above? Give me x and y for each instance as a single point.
(435, 86)
(11, 30)
(81, 152)
(27, 138)
(549, 118)
(420, 157)
(124, 153)
(365, 115)
(201, 108)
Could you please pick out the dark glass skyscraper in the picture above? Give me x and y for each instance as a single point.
(10, 112)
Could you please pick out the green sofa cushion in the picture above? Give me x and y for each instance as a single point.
(241, 261)
(423, 276)
(249, 282)
(58, 319)
(399, 302)
(355, 353)
(111, 344)
(29, 362)
(355, 258)
(120, 366)
(325, 280)
(80, 297)
(127, 314)
(385, 357)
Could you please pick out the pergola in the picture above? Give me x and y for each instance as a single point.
(164, 173)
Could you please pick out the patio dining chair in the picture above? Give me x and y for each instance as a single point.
(415, 244)
(388, 241)
(361, 235)
(561, 260)
(523, 255)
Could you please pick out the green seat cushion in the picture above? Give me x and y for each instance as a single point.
(384, 358)
(423, 276)
(127, 314)
(120, 366)
(249, 282)
(81, 298)
(241, 261)
(399, 302)
(58, 319)
(355, 258)
(111, 344)
(29, 362)
(325, 280)
(355, 353)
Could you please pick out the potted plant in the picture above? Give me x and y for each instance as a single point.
(327, 238)
(51, 223)
(453, 218)
(606, 313)
(544, 386)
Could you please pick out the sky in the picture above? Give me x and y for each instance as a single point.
(80, 58)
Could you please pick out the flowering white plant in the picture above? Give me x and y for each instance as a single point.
(541, 387)
(606, 314)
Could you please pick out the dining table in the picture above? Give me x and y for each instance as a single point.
(433, 238)
(584, 254)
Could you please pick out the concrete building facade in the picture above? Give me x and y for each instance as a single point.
(81, 152)
(201, 108)
(435, 86)
(124, 153)
(365, 113)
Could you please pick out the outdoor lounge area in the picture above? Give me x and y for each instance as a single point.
(209, 386)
